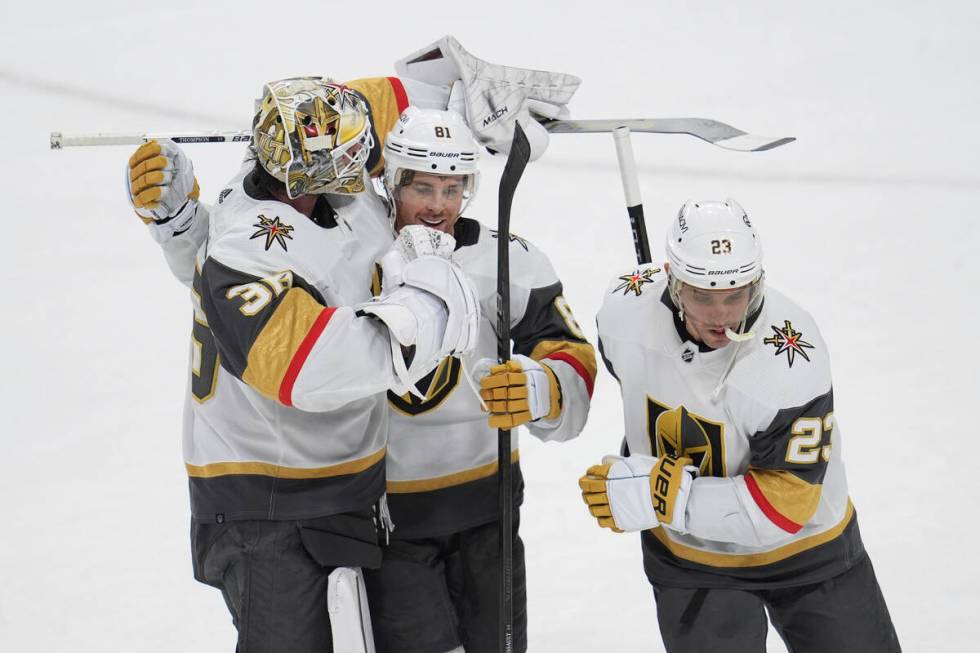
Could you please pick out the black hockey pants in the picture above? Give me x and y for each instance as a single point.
(844, 614)
(273, 575)
(434, 594)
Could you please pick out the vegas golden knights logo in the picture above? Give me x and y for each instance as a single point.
(679, 432)
(436, 386)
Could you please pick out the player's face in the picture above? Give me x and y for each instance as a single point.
(430, 200)
(708, 312)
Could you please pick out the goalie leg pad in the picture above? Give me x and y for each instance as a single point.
(350, 617)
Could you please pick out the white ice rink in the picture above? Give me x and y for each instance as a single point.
(870, 221)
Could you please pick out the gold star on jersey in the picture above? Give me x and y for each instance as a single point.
(273, 230)
(634, 282)
(790, 341)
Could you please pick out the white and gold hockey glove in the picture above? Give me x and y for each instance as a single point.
(491, 96)
(162, 188)
(637, 492)
(518, 391)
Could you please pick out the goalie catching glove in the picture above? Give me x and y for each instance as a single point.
(427, 303)
(162, 188)
(639, 492)
(491, 96)
(518, 391)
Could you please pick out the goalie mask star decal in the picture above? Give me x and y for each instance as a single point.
(788, 340)
(273, 230)
(634, 282)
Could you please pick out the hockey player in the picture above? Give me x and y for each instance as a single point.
(286, 420)
(165, 194)
(438, 584)
(732, 465)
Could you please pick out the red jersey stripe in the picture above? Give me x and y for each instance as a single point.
(302, 352)
(579, 368)
(401, 97)
(767, 508)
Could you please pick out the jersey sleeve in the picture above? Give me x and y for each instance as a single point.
(279, 336)
(781, 489)
(386, 99)
(180, 249)
(548, 333)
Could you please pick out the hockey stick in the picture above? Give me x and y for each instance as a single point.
(520, 154)
(631, 189)
(59, 140)
(712, 131)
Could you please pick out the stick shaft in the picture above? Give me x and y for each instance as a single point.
(711, 131)
(631, 190)
(59, 140)
(520, 152)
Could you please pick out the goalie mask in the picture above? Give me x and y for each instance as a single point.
(313, 135)
(427, 141)
(712, 246)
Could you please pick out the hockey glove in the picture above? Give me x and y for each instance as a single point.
(162, 188)
(428, 303)
(492, 96)
(639, 492)
(417, 240)
(518, 391)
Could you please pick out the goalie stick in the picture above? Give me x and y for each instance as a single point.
(711, 131)
(520, 154)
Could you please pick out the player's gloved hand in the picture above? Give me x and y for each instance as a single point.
(415, 240)
(161, 185)
(491, 96)
(429, 305)
(518, 391)
(639, 492)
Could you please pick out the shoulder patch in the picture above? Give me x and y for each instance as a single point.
(789, 341)
(634, 281)
(223, 194)
(513, 238)
(273, 230)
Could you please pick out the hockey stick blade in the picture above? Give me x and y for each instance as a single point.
(712, 131)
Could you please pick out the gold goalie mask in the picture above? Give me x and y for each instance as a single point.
(313, 135)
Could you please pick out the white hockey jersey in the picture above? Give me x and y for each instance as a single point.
(442, 455)
(770, 507)
(286, 416)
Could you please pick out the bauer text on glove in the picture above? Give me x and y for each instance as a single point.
(639, 492)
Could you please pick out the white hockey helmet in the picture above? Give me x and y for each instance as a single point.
(313, 135)
(431, 141)
(712, 245)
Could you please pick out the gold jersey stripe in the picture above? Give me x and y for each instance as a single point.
(580, 351)
(384, 108)
(256, 468)
(449, 480)
(273, 350)
(731, 560)
(790, 495)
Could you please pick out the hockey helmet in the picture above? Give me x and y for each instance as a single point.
(434, 142)
(313, 135)
(712, 245)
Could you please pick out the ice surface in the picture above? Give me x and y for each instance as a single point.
(869, 220)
